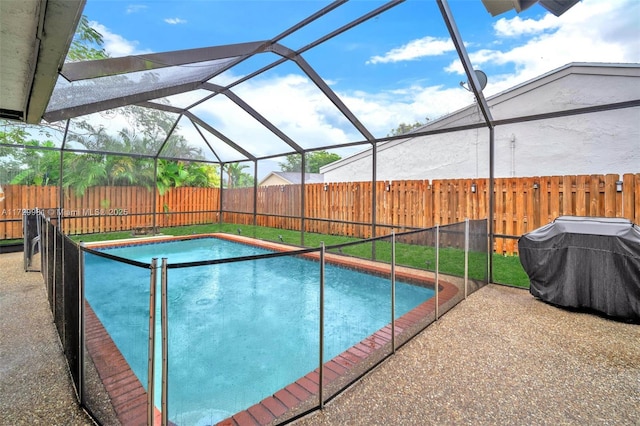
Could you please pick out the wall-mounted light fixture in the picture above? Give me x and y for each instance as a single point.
(281, 188)
(619, 186)
(326, 187)
(535, 185)
(474, 187)
(387, 186)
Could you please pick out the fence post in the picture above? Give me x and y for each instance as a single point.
(25, 243)
(437, 265)
(81, 371)
(321, 355)
(152, 340)
(466, 255)
(165, 342)
(393, 291)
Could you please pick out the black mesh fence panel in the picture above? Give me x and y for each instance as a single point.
(479, 251)
(452, 246)
(116, 339)
(416, 263)
(58, 283)
(42, 223)
(358, 311)
(71, 293)
(31, 235)
(48, 260)
(51, 264)
(451, 264)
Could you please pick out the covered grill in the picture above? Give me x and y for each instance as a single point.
(585, 263)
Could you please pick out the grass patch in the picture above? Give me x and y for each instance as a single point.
(506, 269)
(11, 242)
(94, 238)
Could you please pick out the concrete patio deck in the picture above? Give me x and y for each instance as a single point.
(499, 357)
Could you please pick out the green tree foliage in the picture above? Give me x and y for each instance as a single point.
(82, 171)
(315, 160)
(236, 176)
(86, 44)
(405, 128)
(18, 161)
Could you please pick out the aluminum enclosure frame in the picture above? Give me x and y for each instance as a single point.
(232, 55)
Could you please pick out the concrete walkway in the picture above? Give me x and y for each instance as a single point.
(35, 387)
(499, 357)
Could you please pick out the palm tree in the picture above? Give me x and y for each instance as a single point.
(235, 175)
(37, 167)
(82, 171)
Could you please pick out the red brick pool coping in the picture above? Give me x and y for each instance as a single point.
(128, 396)
(129, 399)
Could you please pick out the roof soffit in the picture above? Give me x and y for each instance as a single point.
(35, 38)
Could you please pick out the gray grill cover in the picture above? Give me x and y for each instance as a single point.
(587, 263)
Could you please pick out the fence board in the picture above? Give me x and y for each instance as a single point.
(610, 195)
(554, 196)
(510, 214)
(581, 196)
(633, 209)
(519, 215)
(499, 214)
(568, 185)
(631, 193)
(594, 188)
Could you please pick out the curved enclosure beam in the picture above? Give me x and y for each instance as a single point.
(253, 113)
(324, 88)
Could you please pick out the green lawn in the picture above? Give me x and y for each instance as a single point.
(506, 269)
(11, 242)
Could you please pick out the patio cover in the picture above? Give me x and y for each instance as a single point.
(585, 263)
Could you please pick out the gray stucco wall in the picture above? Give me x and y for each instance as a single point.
(595, 143)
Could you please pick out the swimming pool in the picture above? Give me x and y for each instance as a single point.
(238, 332)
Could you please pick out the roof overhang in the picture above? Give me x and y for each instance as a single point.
(35, 36)
(557, 7)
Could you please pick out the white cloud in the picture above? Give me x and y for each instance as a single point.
(175, 21)
(583, 34)
(415, 49)
(295, 105)
(518, 26)
(114, 44)
(477, 58)
(135, 8)
(290, 102)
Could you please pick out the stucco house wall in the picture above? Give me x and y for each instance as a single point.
(594, 143)
(290, 178)
(273, 179)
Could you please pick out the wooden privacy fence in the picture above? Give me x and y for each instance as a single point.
(521, 205)
(107, 208)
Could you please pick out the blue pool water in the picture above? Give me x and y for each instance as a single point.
(238, 332)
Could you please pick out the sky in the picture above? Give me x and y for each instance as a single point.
(399, 67)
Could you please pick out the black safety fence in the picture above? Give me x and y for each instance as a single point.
(153, 336)
(31, 232)
(48, 259)
(60, 269)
